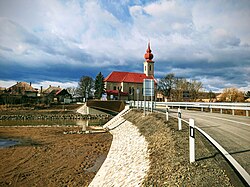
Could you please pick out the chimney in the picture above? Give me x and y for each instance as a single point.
(30, 83)
(41, 91)
(49, 85)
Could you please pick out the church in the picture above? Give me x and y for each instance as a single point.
(129, 85)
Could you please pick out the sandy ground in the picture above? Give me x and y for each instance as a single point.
(47, 157)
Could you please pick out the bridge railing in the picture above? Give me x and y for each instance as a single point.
(210, 106)
(191, 123)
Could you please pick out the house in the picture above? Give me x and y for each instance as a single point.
(129, 85)
(19, 93)
(2, 90)
(55, 95)
(23, 89)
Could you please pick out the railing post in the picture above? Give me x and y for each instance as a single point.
(202, 109)
(144, 106)
(87, 110)
(167, 112)
(247, 113)
(233, 112)
(191, 141)
(179, 119)
(221, 110)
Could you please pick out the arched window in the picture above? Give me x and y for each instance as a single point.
(149, 67)
(145, 68)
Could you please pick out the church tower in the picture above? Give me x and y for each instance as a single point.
(149, 63)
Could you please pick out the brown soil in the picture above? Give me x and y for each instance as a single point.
(169, 155)
(47, 157)
(54, 109)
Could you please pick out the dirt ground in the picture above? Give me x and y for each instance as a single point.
(47, 157)
(169, 155)
(54, 109)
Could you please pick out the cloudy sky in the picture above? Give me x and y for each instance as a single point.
(58, 41)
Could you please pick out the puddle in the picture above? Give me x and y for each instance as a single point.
(98, 163)
(7, 143)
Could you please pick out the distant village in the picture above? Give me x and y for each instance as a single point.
(23, 92)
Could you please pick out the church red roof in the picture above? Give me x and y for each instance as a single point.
(117, 76)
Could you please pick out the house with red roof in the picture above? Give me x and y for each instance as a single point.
(55, 94)
(129, 85)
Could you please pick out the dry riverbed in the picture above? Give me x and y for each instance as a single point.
(47, 157)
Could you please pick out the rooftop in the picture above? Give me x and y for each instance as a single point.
(117, 76)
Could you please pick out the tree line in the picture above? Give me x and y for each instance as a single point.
(172, 87)
(179, 89)
(89, 88)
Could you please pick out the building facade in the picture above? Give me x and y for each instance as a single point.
(129, 85)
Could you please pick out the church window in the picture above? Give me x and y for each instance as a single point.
(145, 68)
(114, 87)
(149, 67)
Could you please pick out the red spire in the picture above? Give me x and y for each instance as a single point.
(148, 55)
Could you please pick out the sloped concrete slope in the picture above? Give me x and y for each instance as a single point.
(127, 161)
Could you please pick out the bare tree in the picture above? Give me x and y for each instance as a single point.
(232, 95)
(85, 87)
(180, 85)
(166, 84)
(72, 91)
(194, 89)
(175, 87)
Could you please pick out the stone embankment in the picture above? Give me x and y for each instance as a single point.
(127, 161)
(53, 117)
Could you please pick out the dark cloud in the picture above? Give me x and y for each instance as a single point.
(66, 40)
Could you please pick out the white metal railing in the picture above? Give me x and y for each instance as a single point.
(210, 106)
(237, 106)
(241, 171)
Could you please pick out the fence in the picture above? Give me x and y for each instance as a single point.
(222, 106)
(241, 171)
(233, 106)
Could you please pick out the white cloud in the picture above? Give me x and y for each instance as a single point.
(185, 34)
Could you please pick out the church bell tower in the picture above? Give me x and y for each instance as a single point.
(149, 63)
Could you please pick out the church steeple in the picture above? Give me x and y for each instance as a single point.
(148, 55)
(149, 63)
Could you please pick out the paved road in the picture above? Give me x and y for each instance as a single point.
(231, 132)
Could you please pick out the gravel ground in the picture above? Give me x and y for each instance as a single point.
(169, 155)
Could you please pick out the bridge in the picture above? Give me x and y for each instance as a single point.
(232, 132)
(107, 106)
